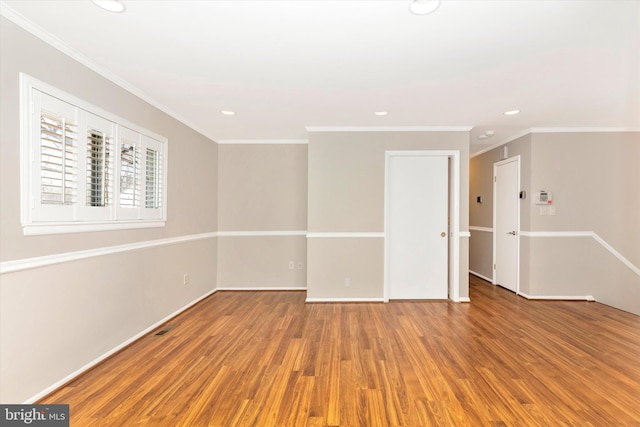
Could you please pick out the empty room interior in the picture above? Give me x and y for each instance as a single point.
(322, 213)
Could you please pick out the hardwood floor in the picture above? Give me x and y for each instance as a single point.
(268, 359)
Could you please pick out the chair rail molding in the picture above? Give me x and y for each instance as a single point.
(592, 234)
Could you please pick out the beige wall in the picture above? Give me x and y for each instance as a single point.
(346, 195)
(481, 254)
(331, 260)
(481, 180)
(188, 150)
(262, 262)
(57, 318)
(578, 166)
(262, 188)
(573, 166)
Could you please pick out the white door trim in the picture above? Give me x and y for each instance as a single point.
(454, 212)
(495, 225)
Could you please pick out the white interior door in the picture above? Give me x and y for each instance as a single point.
(506, 222)
(417, 217)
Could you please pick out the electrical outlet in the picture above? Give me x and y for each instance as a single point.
(291, 265)
(347, 282)
(185, 278)
(300, 265)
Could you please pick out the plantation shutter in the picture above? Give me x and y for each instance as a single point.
(129, 175)
(152, 194)
(58, 160)
(98, 168)
(154, 197)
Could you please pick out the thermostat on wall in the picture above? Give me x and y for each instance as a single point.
(544, 198)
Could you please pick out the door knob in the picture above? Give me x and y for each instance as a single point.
(513, 233)
(443, 234)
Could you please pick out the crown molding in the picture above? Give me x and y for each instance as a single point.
(498, 144)
(262, 141)
(389, 128)
(584, 129)
(39, 32)
(555, 130)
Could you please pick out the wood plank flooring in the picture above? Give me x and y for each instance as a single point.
(268, 359)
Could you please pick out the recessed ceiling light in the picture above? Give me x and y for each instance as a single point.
(423, 7)
(381, 113)
(483, 136)
(228, 112)
(111, 5)
(511, 112)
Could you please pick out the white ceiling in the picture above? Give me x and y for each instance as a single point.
(285, 65)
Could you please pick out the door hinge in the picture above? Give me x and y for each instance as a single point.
(494, 266)
(495, 179)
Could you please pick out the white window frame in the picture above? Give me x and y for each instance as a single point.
(40, 218)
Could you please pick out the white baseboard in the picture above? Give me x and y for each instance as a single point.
(262, 288)
(558, 297)
(483, 229)
(119, 347)
(344, 300)
(312, 300)
(481, 276)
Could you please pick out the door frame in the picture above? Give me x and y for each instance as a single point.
(454, 217)
(495, 225)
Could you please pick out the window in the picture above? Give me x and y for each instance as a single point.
(98, 172)
(58, 160)
(129, 175)
(84, 169)
(153, 176)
